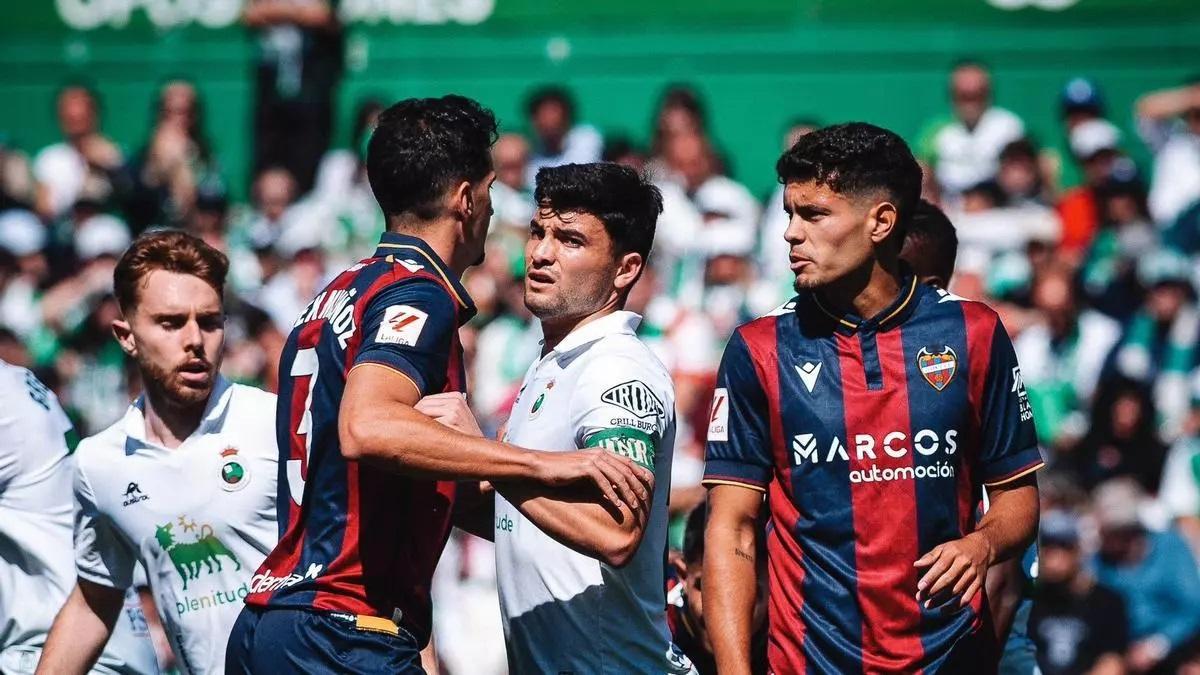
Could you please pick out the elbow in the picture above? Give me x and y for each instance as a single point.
(621, 549)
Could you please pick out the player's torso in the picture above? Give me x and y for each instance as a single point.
(327, 504)
(874, 434)
(565, 611)
(201, 517)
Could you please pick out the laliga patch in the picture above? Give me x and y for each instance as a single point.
(635, 397)
(718, 416)
(937, 369)
(402, 325)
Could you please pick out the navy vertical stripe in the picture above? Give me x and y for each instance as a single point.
(938, 412)
(822, 497)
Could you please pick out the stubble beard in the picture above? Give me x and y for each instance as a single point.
(164, 384)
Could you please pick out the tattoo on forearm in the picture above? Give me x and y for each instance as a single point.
(743, 555)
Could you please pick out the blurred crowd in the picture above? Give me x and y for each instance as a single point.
(1091, 259)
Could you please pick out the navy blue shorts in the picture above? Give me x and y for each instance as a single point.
(300, 641)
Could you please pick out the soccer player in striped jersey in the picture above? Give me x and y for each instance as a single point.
(367, 483)
(871, 410)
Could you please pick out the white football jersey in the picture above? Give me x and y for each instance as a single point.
(200, 518)
(36, 568)
(565, 612)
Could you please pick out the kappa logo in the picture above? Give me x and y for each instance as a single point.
(402, 325)
(809, 372)
(937, 369)
(133, 494)
(635, 397)
(718, 416)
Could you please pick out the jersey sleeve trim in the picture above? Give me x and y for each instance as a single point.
(389, 367)
(711, 482)
(1030, 460)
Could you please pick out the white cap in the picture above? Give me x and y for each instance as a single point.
(21, 233)
(102, 234)
(1092, 136)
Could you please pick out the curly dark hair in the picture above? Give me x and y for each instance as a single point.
(930, 242)
(855, 159)
(627, 203)
(421, 147)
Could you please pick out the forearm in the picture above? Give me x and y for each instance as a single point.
(474, 510)
(729, 591)
(1161, 105)
(1004, 595)
(402, 440)
(80, 630)
(610, 534)
(1010, 524)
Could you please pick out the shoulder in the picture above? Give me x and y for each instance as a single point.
(938, 301)
(624, 358)
(98, 452)
(247, 400)
(1002, 118)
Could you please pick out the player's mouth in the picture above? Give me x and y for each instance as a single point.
(798, 263)
(196, 371)
(539, 278)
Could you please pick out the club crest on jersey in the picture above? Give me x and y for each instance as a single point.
(234, 474)
(635, 397)
(402, 325)
(937, 368)
(541, 399)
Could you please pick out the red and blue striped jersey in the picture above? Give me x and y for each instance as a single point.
(354, 538)
(873, 440)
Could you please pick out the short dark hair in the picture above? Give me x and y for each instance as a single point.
(421, 147)
(930, 242)
(854, 159)
(172, 251)
(627, 203)
(693, 534)
(550, 94)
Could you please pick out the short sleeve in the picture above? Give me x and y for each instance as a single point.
(623, 406)
(739, 431)
(1009, 447)
(102, 553)
(408, 327)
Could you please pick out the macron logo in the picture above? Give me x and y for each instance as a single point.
(808, 374)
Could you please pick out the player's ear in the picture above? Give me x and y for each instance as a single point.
(462, 201)
(629, 269)
(882, 218)
(124, 335)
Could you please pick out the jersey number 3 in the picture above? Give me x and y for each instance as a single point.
(306, 364)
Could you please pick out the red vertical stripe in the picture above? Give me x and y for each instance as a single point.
(981, 327)
(785, 573)
(884, 512)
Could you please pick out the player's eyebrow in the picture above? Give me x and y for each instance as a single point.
(563, 232)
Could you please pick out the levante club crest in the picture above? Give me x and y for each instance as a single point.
(938, 369)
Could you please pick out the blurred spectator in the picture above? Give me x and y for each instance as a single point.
(512, 201)
(298, 67)
(557, 137)
(342, 169)
(260, 228)
(85, 158)
(1080, 101)
(1095, 144)
(504, 349)
(1061, 356)
(303, 274)
(1169, 121)
(16, 181)
(1179, 492)
(1154, 573)
(1078, 626)
(1159, 347)
(1020, 176)
(1126, 235)
(24, 269)
(1123, 439)
(680, 112)
(965, 150)
(175, 164)
(342, 204)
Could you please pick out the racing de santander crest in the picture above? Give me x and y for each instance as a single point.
(937, 368)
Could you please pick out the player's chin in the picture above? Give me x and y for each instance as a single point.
(806, 281)
(193, 391)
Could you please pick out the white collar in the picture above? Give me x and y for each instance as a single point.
(617, 323)
(214, 414)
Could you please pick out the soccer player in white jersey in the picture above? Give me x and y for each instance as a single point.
(185, 483)
(36, 564)
(581, 584)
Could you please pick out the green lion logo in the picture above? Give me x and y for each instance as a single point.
(188, 556)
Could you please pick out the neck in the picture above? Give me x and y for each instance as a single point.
(867, 291)
(169, 424)
(555, 330)
(441, 235)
